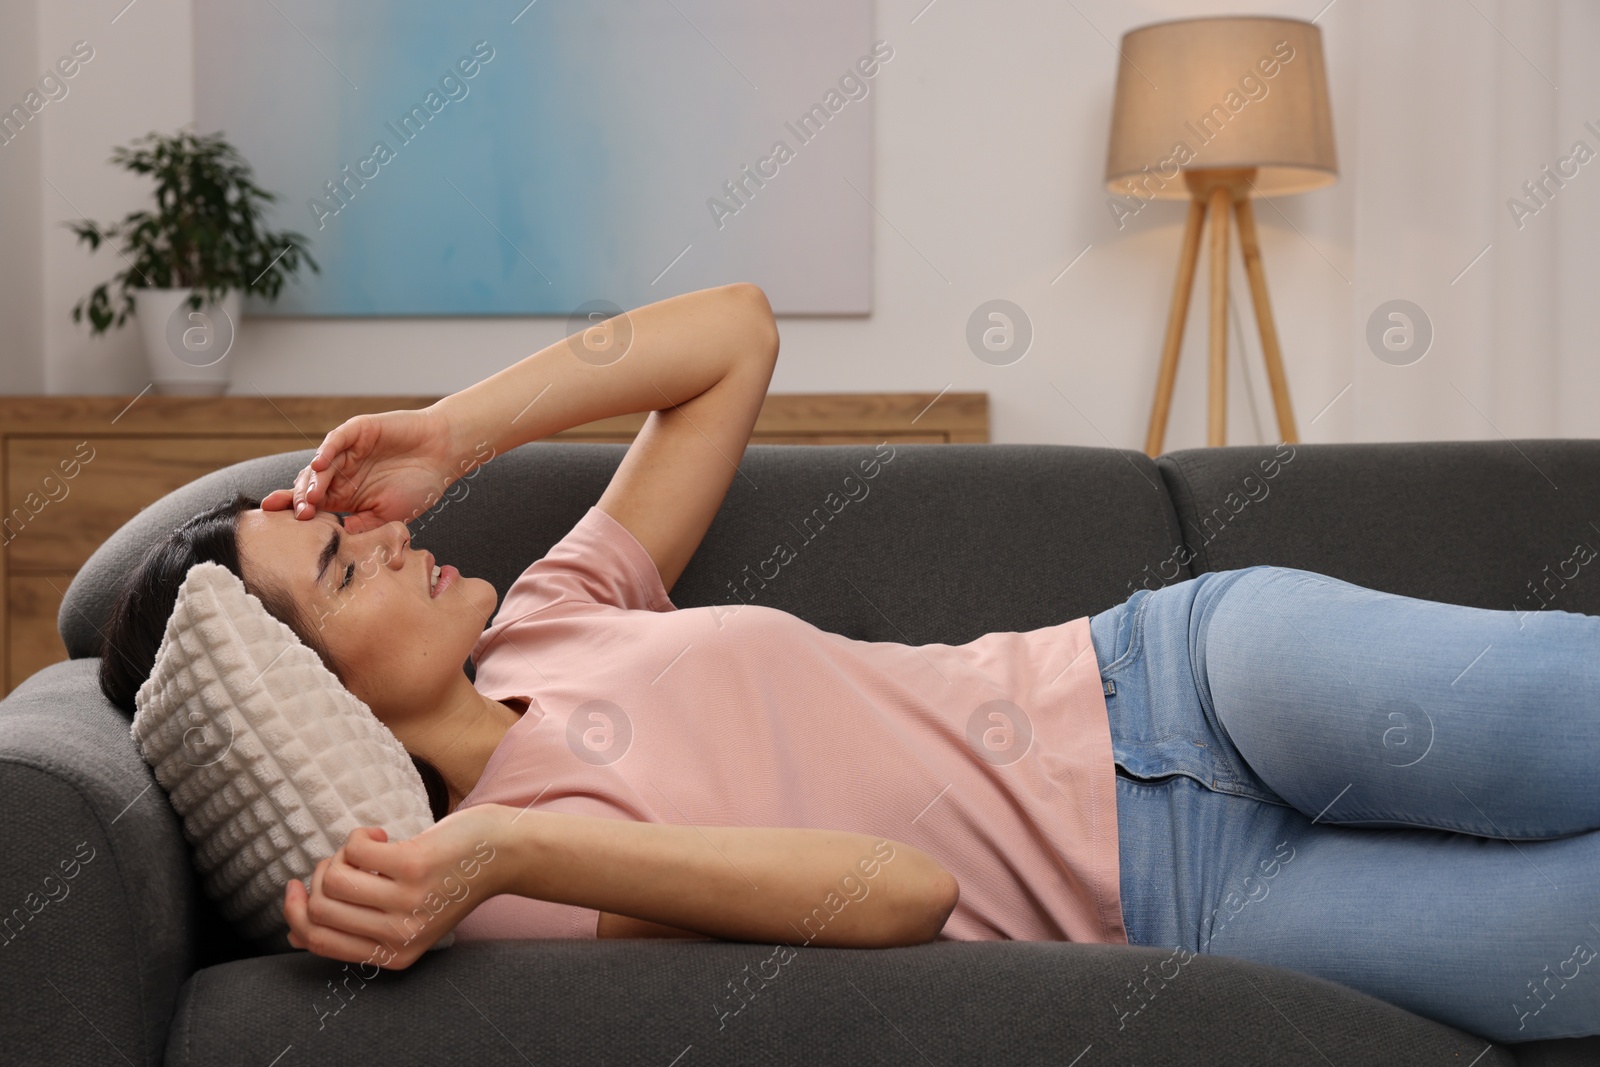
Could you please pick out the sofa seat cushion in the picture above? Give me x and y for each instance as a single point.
(712, 1002)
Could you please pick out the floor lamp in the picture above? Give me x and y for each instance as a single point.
(1215, 111)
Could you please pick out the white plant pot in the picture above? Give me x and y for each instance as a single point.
(187, 352)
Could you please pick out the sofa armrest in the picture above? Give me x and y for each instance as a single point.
(97, 894)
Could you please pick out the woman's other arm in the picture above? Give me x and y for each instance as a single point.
(737, 883)
(386, 902)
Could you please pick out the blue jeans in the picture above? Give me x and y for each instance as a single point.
(1397, 795)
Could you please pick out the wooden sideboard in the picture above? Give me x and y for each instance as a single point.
(73, 469)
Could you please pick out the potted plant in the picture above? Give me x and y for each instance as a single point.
(190, 260)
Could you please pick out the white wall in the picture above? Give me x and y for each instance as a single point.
(21, 282)
(138, 79)
(990, 136)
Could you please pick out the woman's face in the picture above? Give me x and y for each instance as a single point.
(400, 644)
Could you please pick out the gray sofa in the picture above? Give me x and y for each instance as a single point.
(127, 963)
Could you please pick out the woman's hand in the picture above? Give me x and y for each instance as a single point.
(381, 467)
(383, 902)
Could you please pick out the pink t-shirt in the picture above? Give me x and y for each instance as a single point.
(994, 757)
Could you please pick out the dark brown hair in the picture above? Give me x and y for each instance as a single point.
(139, 618)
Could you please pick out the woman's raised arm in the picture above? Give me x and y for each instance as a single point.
(652, 357)
(395, 465)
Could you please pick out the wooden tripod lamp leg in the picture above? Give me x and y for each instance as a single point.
(1251, 250)
(1181, 288)
(1217, 420)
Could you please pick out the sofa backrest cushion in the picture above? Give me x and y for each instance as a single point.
(911, 543)
(1490, 524)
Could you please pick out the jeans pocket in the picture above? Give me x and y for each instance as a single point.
(1145, 779)
(1122, 646)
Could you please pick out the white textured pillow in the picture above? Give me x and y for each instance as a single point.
(268, 759)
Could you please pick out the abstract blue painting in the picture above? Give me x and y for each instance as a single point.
(515, 158)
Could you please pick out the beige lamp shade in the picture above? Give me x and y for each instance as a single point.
(1231, 92)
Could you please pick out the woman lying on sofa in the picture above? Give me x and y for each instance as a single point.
(1390, 793)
